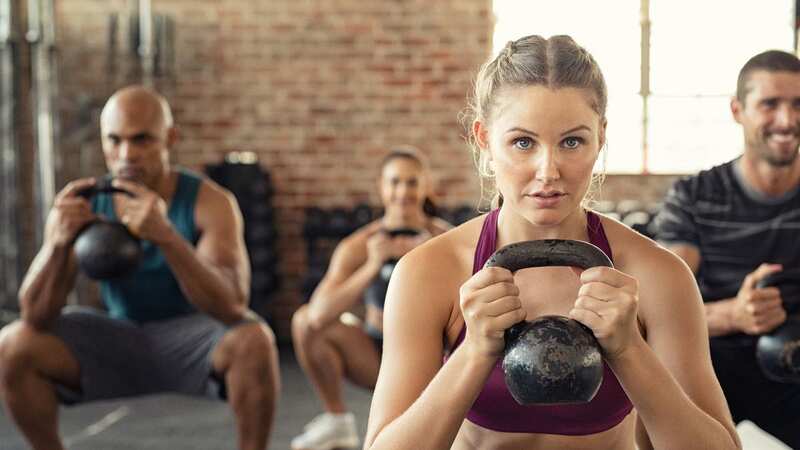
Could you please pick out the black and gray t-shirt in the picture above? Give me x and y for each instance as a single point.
(734, 227)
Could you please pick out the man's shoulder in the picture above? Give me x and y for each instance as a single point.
(212, 198)
(186, 174)
(707, 184)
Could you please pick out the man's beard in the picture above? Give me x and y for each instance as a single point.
(776, 160)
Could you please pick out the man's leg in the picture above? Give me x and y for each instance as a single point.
(773, 406)
(30, 363)
(247, 358)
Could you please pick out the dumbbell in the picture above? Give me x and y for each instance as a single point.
(362, 214)
(340, 223)
(316, 222)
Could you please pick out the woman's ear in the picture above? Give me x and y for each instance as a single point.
(481, 134)
(602, 133)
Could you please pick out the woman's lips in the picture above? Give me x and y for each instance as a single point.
(547, 200)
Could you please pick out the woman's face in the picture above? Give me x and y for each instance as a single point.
(403, 186)
(542, 144)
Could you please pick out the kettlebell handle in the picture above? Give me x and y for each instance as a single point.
(777, 351)
(395, 232)
(548, 253)
(783, 277)
(545, 253)
(103, 186)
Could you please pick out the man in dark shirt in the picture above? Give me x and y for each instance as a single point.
(737, 222)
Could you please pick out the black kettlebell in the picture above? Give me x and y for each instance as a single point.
(778, 353)
(376, 291)
(388, 266)
(105, 248)
(552, 359)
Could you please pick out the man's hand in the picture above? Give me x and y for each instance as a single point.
(145, 213)
(758, 311)
(69, 214)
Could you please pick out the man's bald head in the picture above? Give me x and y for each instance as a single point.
(139, 101)
(137, 133)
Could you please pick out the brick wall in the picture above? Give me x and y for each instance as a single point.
(318, 89)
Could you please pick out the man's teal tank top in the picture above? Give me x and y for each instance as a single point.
(152, 292)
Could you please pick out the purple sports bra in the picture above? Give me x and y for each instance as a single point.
(495, 409)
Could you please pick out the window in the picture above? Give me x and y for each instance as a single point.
(682, 123)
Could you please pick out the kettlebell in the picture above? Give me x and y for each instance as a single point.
(106, 249)
(552, 359)
(778, 352)
(376, 291)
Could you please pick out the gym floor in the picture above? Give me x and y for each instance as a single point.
(174, 422)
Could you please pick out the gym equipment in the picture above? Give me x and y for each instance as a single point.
(552, 359)
(639, 221)
(243, 175)
(778, 353)
(408, 232)
(624, 207)
(41, 36)
(316, 222)
(11, 247)
(340, 222)
(376, 291)
(464, 213)
(362, 214)
(105, 248)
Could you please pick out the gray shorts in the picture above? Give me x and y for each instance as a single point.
(118, 358)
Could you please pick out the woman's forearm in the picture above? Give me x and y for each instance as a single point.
(327, 304)
(433, 420)
(671, 418)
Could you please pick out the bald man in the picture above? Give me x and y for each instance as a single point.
(180, 323)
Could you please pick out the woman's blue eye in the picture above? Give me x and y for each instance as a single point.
(572, 142)
(523, 143)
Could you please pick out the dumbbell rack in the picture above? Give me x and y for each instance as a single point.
(251, 184)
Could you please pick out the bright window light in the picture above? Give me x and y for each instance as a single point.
(696, 51)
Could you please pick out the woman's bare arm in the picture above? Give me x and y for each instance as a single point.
(344, 283)
(670, 379)
(420, 403)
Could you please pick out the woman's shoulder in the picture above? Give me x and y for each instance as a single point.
(639, 255)
(434, 271)
(450, 251)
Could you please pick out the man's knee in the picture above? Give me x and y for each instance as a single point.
(253, 342)
(17, 349)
